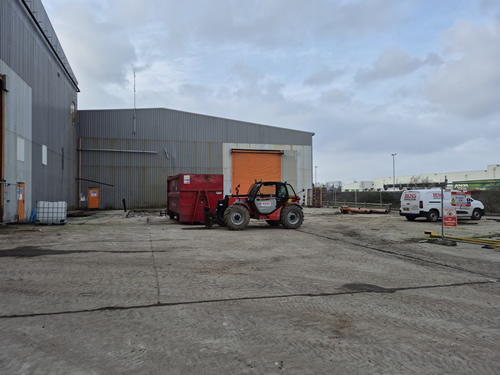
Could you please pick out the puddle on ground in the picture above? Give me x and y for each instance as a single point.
(32, 251)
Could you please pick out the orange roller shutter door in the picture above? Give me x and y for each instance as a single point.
(248, 166)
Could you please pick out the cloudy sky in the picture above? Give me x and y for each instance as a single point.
(420, 78)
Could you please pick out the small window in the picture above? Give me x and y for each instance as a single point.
(20, 149)
(44, 155)
(73, 113)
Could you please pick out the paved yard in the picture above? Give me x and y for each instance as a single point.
(345, 294)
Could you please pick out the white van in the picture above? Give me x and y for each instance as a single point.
(427, 203)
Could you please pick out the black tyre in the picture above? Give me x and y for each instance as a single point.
(476, 214)
(432, 216)
(292, 217)
(236, 217)
(220, 220)
(410, 218)
(273, 223)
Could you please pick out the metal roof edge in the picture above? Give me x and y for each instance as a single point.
(196, 114)
(39, 16)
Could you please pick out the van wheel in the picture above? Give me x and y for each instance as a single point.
(476, 214)
(432, 216)
(410, 218)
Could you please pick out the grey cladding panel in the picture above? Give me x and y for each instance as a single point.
(24, 48)
(141, 178)
(167, 124)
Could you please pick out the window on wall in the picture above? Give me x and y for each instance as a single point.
(20, 149)
(73, 113)
(44, 155)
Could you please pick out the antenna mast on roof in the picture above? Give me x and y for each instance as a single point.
(135, 117)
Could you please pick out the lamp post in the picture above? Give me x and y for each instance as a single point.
(394, 171)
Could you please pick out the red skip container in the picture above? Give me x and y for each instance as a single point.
(188, 194)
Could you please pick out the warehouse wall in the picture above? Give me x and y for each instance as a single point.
(137, 170)
(39, 91)
(135, 151)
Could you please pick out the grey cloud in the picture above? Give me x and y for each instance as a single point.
(341, 19)
(334, 96)
(141, 67)
(270, 24)
(246, 73)
(490, 7)
(323, 76)
(394, 62)
(104, 52)
(468, 85)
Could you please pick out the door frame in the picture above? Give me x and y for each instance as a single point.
(2, 145)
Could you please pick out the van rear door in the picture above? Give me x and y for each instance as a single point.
(409, 202)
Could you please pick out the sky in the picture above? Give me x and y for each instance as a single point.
(371, 78)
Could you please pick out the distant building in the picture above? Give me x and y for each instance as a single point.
(460, 180)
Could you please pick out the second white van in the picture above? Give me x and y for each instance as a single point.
(427, 203)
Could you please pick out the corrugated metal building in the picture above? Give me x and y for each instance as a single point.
(38, 90)
(128, 154)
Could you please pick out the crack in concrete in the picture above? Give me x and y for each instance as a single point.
(360, 290)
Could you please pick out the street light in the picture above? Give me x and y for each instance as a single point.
(394, 171)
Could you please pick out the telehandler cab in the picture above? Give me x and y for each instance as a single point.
(275, 202)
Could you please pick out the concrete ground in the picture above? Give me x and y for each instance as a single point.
(344, 294)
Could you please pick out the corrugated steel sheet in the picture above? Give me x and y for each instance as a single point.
(183, 126)
(140, 178)
(29, 47)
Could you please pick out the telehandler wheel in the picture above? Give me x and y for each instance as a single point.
(292, 217)
(236, 217)
(273, 223)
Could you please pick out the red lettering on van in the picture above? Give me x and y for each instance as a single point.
(410, 196)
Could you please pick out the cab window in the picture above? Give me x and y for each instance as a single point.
(267, 190)
(282, 192)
